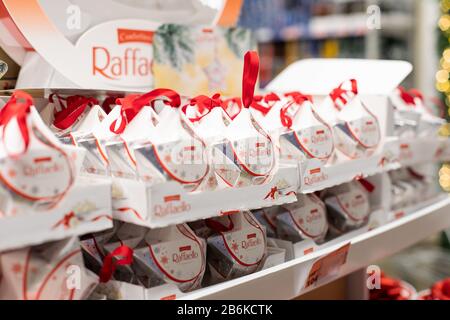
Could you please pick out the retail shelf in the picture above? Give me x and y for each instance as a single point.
(337, 26)
(287, 280)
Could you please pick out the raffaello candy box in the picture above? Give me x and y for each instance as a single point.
(37, 171)
(237, 246)
(348, 205)
(304, 219)
(356, 130)
(50, 271)
(173, 255)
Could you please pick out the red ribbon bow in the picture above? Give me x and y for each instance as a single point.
(268, 99)
(406, 96)
(298, 97)
(17, 108)
(204, 105)
(219, 227)
(249, 77)
(369, 186)
(229, 102)
(341, 95)
(132, 104)
(109, 101)
(441, 290)
(72, 108)
(121, 256)
(271, 193)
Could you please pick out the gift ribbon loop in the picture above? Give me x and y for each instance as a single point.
(219, 227)
(250, 75)
(121, 256)
(73, 109)
(341, 94)
(132, 104)
(370, 187)
(406, 96)
(204, 105)
(268, 99)
(17, 108)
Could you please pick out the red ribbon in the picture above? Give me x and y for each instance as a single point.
(173, 98)
(249, 77)
(219, 227)
(111, 100)
(73, 109)
(132, 104)
(268, 99)
(406, 96)
(271, 193)
(416, 93)
(226, 104)
(415, 174)
(298, 97)
(338, 94)
(370, 187)
(391, 289)
(65, 221)
(441, 290)
(121, 256)
(17, 108)
(204, 105)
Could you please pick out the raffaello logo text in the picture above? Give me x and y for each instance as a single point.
(120, 53)
(172, 205)
(251, 241)
(132, 58)
(186, 254)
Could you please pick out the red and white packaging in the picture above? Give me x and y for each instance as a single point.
(172, 255)
(311, 137)
(304, 219)
(72, 115)
(406, 114)
(236, 248)
(210, 121)
(251, 149)
(412, 114)
(52, 271)
(267, 217)
(429, 123)
(176, 153)
(37, 171)
(356, 129)
(348, 205)
(408, 187)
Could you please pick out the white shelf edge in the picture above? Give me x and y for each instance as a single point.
(285, 281)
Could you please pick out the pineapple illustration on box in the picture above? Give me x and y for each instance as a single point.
(195, 60)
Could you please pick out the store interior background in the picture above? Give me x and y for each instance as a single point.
(412, 30)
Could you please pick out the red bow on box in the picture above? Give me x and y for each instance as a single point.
(342, 95)
(204, 105)
(72, 108)
(132, 104)
(269, 99)
(17, 108)
(298, 99)
(121, 256)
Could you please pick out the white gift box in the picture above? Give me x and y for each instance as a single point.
(42, 197)
(53, 271)
(318, 77)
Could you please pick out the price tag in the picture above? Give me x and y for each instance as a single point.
(327, 266)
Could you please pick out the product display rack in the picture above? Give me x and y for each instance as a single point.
(286, 281)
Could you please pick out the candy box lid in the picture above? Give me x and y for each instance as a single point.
(320, 76)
